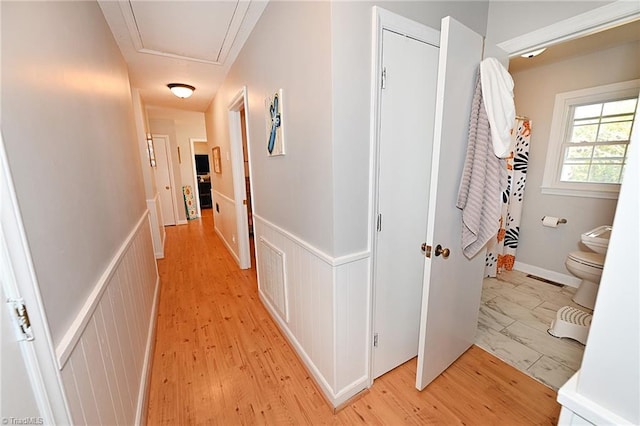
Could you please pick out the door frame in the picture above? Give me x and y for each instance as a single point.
(172, 181)
(196, 190)
(239, 102)
(20, 281)
(382, 20)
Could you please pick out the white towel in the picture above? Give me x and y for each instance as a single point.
(483, 177)
(497, 95)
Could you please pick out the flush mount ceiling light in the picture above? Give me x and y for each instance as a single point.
(181, 90)
(533, 53)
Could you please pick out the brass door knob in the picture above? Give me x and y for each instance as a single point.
(166, 187)
(444, 252)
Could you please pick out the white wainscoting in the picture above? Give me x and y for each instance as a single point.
(158, 232)
(224, 222)
(328, 305)
(105, 355)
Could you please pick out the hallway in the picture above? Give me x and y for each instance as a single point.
(220, 359)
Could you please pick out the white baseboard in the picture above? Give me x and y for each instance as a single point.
(554, 276)
(229, 247)
(182, 222)
(160, 254)
(310, 366)
(143, 394)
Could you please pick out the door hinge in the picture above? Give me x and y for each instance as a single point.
(375, 340)
(379, 222)
(384, 78)
(21, 316)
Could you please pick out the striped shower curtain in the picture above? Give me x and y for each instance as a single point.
(501, 251)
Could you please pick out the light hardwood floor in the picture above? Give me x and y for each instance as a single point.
(220, 359)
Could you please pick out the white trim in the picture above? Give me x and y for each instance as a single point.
(560, 123)
(616, 13)
(74, 332)
(221, 195)
(196, 189)
(145, 379)
(158, 233)
(233, 28)
(238, 103)
(585, 407)
(38, 355)
(610, 195)
(329, 260)
(311, 367)
(554, 276)
(182, 222)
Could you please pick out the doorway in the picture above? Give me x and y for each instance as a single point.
(165, 180)
(407, 109)
(201, 168)
(241, 166)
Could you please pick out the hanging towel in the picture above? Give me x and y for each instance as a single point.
(497, 95)
(482, 179)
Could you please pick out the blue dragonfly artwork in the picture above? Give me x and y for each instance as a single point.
(275, 122)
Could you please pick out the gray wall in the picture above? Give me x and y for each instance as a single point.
(69, 132)
(351, 87)
(535, 91)
(289, 49)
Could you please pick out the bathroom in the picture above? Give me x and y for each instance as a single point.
(513, 325)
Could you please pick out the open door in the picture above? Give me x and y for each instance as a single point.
(236, 136)
(452, 283)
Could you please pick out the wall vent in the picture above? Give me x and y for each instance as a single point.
(272, 270)
(544, 280)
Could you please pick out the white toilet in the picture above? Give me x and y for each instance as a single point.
(587, 265)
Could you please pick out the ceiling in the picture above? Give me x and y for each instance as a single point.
(195, 42)
(581, 46)
(192, 42)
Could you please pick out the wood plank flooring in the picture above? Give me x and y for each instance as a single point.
(220, 359)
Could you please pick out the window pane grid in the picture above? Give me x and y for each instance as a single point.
(595, 149)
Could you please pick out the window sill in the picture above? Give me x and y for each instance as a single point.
(584, 193)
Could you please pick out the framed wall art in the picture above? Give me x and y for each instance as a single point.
(151, 151)
(217, 167)
(275, 120)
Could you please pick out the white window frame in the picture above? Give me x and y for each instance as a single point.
(560, 126)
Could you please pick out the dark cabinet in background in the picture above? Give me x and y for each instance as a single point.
(204, 190)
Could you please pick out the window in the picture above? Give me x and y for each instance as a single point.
(590, 133)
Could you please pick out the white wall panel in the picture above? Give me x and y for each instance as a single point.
(105, 370)
(352, 317)
(224, 222)
(328, 305)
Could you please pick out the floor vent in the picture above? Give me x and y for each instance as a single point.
(272, 273)
(544, 280)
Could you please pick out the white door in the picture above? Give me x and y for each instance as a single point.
(164, 180)
(452, 285)
(407, 110)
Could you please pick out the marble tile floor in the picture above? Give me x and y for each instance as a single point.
(515, 314)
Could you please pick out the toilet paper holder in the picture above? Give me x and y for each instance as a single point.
(562, 220)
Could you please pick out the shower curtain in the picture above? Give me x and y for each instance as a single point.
(501, 251)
